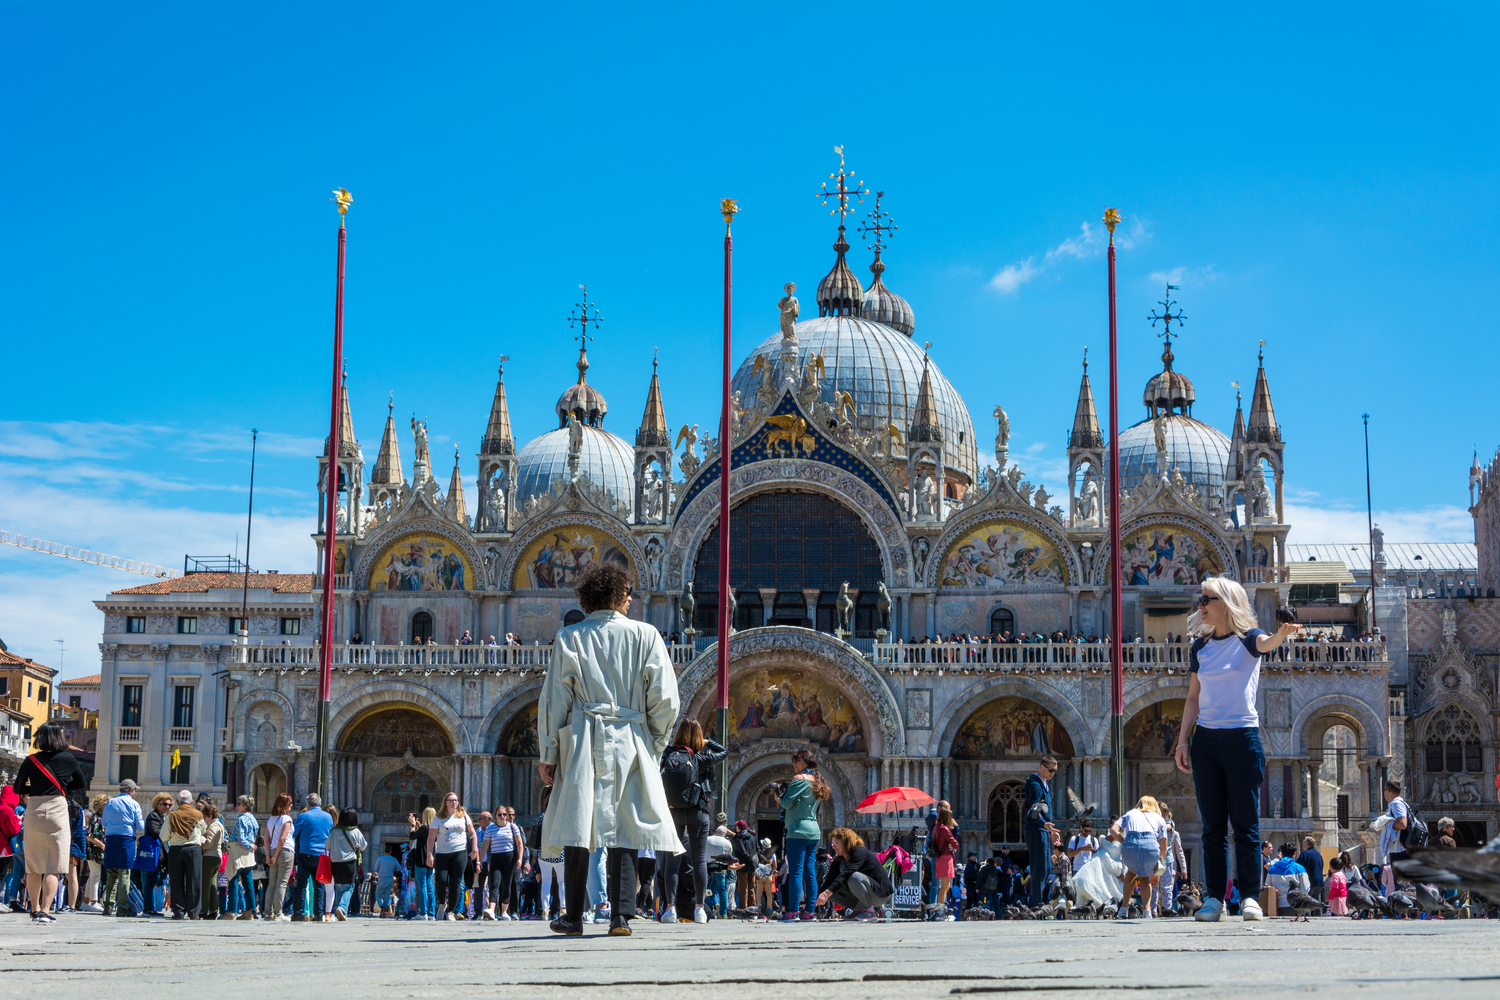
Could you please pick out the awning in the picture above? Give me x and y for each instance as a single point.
(1320, 572)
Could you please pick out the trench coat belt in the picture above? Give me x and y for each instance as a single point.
(605, 711)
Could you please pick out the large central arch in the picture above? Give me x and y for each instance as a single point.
(780, 646)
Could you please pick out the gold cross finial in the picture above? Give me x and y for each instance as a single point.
(1111, 220)
(841, 190)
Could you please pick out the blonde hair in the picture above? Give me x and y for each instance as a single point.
(97, 804)
(163, 797)
(1241, 616)
(1147, 804)
(428, 815)
(847, 837)
(445, 814)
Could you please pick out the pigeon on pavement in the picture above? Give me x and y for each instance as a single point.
(1401, 904)
(1302, 904)
(1362, 900)
(1477, 871)
(1431, 902)
(1188, 901)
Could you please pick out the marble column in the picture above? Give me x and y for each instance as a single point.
(1304, 788)
(767, 603)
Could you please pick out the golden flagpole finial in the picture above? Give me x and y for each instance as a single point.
(1111, 220)
(343, 199)
(727, 208)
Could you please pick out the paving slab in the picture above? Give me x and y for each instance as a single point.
(92, 956)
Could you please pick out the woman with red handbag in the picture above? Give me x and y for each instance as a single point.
(47, 776)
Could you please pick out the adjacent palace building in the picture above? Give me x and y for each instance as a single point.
(856, 470)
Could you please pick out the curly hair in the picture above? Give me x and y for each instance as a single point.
(821, 789)
(602, 587)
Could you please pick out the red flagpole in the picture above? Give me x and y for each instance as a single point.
(727, 208)
(318, 780)
(1116, 626)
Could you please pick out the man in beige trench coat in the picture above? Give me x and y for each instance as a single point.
(603, 718)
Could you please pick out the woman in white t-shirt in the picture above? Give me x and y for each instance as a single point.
(280, 854)
(1145, 834)
(450, 845)
(1219, 742)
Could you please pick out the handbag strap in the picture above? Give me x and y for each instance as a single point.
(49, 775)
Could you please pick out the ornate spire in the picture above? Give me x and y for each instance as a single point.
(881, 305)
(653, 431)
(455, 506)
(583, 400)
(925, 425)
(1262, 425)
(1236, 470)
(497, 437)
(840, 293)
(387, 471)
(348, 446)
(1085, 418)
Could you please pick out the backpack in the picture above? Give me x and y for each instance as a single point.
(679, 779)
(1415, 834)
(989, 880)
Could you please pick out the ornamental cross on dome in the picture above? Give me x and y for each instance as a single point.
(1167, 318)
(583, 319)
(880, 224)
(841, 190)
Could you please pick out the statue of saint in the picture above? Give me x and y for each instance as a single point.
(790, 308)
(1088, 499)
(419, 432)
(926, 491)
(1159, 425)
(575, 435)
(919, 549)
(1002, 432)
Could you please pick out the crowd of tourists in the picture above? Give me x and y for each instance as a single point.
(627, 830)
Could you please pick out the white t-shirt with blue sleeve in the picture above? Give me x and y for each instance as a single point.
(1228, 672)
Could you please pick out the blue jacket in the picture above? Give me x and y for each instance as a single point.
(1312, 863)
(310, 831)
(246, 829)
(122, 817)
(1037, 790)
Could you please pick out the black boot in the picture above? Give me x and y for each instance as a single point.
(570, 926)
(619, 927)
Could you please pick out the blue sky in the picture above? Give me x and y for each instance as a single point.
(1321, 179)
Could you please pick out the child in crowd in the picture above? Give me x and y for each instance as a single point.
(1338, 889)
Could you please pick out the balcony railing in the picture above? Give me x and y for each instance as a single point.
(127, 735)
(402, 657)
(1096, 655)
(1268, 574)
(341, 581)
(181, 736)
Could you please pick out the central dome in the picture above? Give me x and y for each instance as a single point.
(606, 459)
(1199, 451)
(882, 370)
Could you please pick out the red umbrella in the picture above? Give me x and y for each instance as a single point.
(889, 800)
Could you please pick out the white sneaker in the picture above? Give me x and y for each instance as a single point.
(1210, 912)
(669, 915)
(1250, 910)
(588, 916)
(489, 914)
(91, 908)
(449, 916)
(507, 916)
(700, 915)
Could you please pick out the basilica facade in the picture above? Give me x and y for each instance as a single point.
(864, 514)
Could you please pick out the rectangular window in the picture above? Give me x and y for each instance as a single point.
(236, 625)
(28, 683)
(1473, 760)
(182, 707)
(75, 701)
(41, 690)
(291, 626)
(1434, 758)
(130, 767)
(182, 774)
(135, 623)
(187, 625)
(130, 708)
(4, 685)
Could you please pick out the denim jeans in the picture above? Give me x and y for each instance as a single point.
(426, 895)
(1039, 847)
(242, 891)
(341, 896)
(802, 875)
(718, 888)
(1228, 767)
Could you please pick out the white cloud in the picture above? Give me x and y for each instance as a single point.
(1091, 241)
(1440, 523)
(1013, 276)
(1185, 277)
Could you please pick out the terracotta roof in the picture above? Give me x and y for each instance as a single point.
(201, 583)
(9, 659)
(90, 679)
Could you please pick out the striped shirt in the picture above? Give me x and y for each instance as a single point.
(502, 839)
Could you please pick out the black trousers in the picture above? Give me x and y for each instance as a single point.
(645, 877)
(692, 829)
(185, 872)
(502, 873)
(448, 879)
(620, 876)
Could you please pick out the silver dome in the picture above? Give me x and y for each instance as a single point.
(882, 369)
(607, 460)
(1201, 453)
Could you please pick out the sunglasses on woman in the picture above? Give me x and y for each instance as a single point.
(1206, 600)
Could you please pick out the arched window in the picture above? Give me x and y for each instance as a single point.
(792, 542)
(1006, 803)
(421, 628)
(1453, 743)
(1002, 621)
(573, 617)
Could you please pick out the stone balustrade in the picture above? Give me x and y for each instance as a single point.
(350, 658)
(1142, 657)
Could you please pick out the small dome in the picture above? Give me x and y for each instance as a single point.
(840, 293)
(1169, 391)
(884, 306)
(584, 402)
(1198, 451)
(605, 458)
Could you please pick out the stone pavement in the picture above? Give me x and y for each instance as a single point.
(89, 956)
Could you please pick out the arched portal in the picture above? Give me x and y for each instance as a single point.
(404, 792)
(515, 777)
(421, 628)
(267, 781)
(789, 702)
(803, 546)
(394, 731)
(1011, 727)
